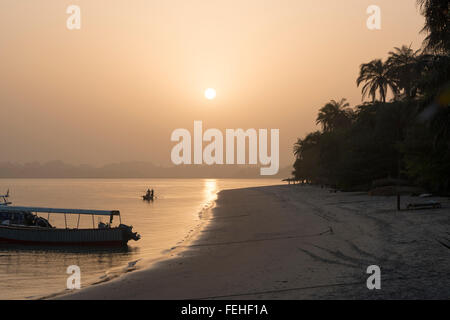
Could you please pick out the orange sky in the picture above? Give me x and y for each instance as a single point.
(116, 89)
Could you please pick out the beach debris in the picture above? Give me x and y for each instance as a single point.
(131, 265)
(446, 244)
(432, 204)
(425, 195)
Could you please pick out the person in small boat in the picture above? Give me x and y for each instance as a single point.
(31, 220)
(149, 195)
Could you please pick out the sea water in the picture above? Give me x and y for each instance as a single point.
(34, 272)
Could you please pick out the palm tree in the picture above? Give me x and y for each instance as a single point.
(437, 25)
(307, 153)
(312, 139)
(404, 66)
(377, 77)
(335, 114)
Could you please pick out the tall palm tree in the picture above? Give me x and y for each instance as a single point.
(437, 25)
(377, 78)
(404, 66)
(335, 114)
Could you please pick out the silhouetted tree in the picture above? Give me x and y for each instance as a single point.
(307, 155)
(437, 25)
(334, 115)
(404, 65)
(377, 78)
(408, 137)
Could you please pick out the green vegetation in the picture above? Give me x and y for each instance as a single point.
(407, 137)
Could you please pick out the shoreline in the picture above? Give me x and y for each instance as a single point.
(117, 273)
(294, 242)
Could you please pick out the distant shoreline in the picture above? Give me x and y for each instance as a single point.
(142, 178)
(132, 170)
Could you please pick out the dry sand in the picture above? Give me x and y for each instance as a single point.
(299, 242)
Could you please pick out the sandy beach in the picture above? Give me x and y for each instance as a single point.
(299, 242)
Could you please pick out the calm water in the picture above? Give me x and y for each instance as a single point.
(164, 223)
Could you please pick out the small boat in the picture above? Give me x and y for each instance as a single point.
(148, 197)
(22, 225)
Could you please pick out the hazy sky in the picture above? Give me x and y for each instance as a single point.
(116, 89)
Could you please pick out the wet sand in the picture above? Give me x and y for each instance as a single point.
(299, 242)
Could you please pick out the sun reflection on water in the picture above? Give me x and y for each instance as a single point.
(210, 190)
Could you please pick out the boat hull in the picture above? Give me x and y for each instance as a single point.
(112, 237)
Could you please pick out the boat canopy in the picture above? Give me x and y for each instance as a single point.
(62, 211)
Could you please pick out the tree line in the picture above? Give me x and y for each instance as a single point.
(407, 137)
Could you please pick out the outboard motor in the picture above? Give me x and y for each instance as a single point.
(128, 232)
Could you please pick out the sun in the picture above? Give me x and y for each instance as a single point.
(210, 94)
